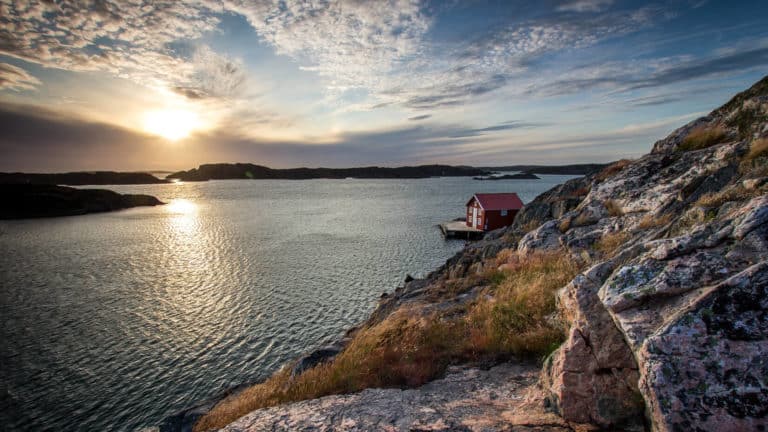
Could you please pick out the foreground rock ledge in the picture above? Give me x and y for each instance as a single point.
(504, 398)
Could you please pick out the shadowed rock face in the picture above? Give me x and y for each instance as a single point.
(35, 201)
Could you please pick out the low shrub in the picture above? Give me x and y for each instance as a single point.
(702, 137)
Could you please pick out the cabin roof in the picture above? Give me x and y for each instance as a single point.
(497, 201)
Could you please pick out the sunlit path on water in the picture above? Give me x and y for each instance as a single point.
(111, 321)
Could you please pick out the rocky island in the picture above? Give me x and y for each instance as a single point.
(573, 169)
(633, 298)
(81, 178)
(248, 171)
(519, 176)
(36, 201)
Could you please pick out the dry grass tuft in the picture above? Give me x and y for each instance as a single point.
(650, 221)
(612, 169)
(516, 320)
(702, 137)
(505, 255)
(755, 162)
(609, 244)
(409, 348)
(716, 199)
(613, 207)
(758, 148)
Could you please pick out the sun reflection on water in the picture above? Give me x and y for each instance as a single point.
(181, 206)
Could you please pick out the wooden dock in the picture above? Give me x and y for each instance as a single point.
(459, 229)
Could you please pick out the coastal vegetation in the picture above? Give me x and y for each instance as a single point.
(755, 161)
(702, 137)
(511, 318)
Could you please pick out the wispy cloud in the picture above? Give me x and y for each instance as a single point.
(509, 125)
(16, 78)
(504, 55)
(623, 76)
(420, 117)
(585, 6)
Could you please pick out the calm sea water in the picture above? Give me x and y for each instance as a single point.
(113, 321)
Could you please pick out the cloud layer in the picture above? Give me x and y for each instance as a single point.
(442, 77)
(382, 48)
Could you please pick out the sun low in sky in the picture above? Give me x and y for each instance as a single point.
(170, 85)
(171, 124)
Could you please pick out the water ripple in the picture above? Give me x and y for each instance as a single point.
(112, 321)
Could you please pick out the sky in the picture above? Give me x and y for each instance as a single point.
(168, 85)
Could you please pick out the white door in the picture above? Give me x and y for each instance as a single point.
(475, 222)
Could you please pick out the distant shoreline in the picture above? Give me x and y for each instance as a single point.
(247, 171)
(81, 178)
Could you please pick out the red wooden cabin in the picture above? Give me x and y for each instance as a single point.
(489, 211)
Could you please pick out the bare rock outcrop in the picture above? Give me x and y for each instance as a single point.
(504, 398)
(592, 377)
(678, 316)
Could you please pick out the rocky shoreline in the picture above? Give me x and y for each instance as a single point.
(664, 327)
